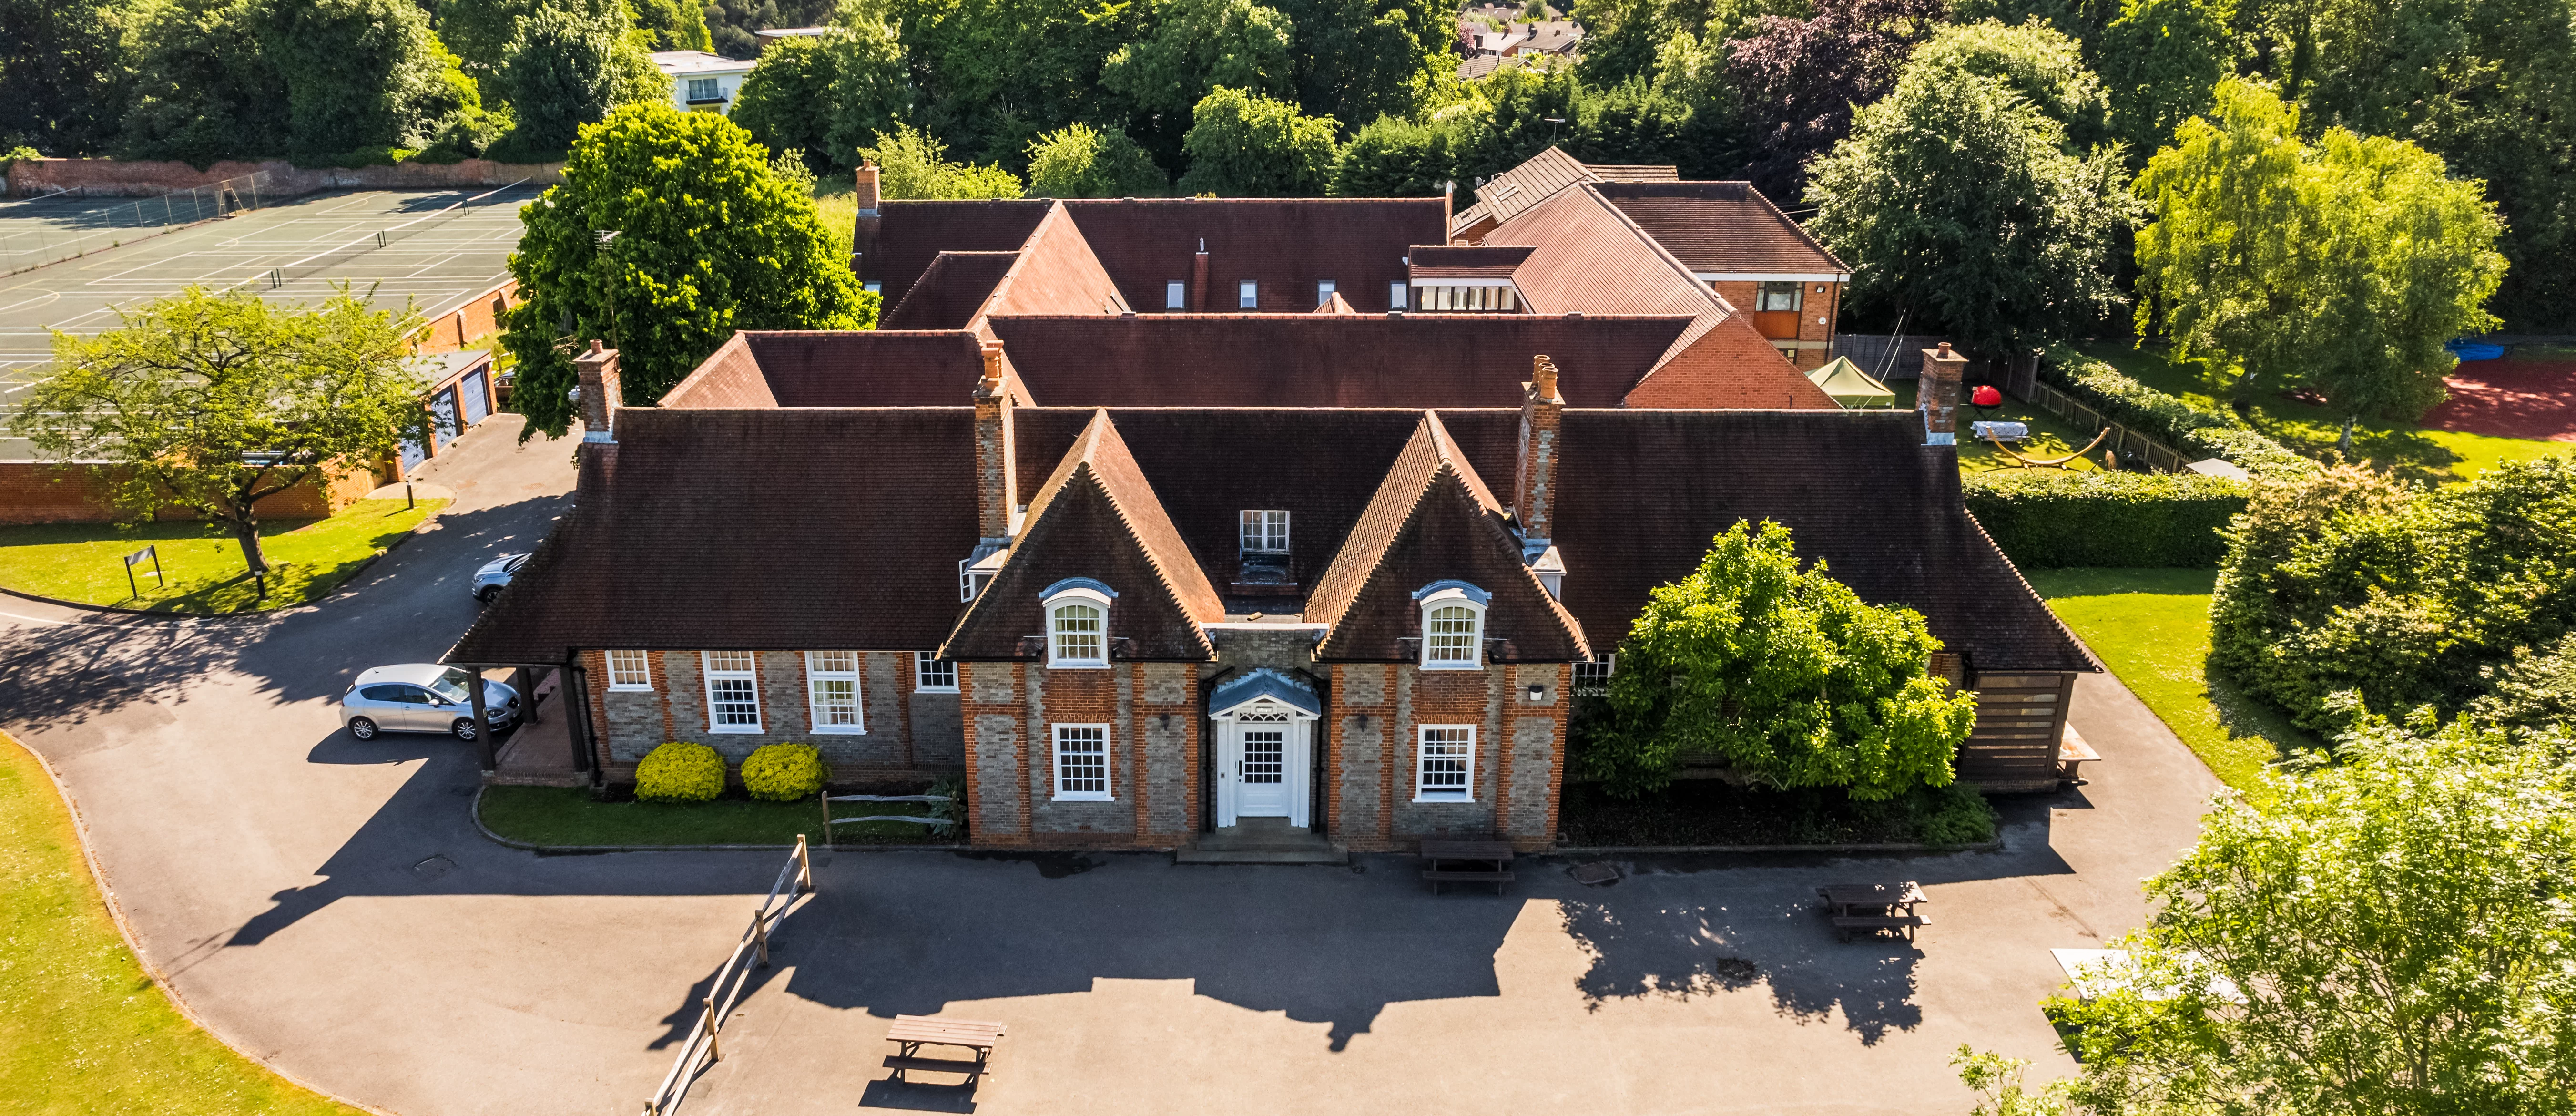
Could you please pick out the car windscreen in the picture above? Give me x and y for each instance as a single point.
(515, 563)
(451, 685)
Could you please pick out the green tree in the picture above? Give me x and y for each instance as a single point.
(2385, 934)
(361, 76)
(675, 24)
(1396, 158)
(1638, 122)
(1192, 49)
(213, 402)
(707, 241)
(872, 88)
(1785, 673)
(1361, 59)
(2161, 61)
(65, 73)
(558, 72)
(2032, 59)
(1956, 198)
(994, 74)
(2341, 266)
(912, 164)
(1080, 161)
(1246, 146)
(206, 88)
(1522, 109)
(785, 102)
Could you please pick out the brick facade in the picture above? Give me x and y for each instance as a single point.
(1152, 714)
(1374, 718)
(1816, 316)
(910, 734)
(39, 492)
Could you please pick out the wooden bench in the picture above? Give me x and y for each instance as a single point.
(1447, 862)
(912, 1032)
(1904, 925)
(2072, 754)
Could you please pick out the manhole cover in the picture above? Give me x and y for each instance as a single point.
(434, 867)
(1595, 873)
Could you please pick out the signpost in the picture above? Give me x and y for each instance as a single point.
(151, 552)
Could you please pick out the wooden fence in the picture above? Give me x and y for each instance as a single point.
(2135, 450)
(726, 988)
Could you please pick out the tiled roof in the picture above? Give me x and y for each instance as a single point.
(1285, 245)
(854, 368)
(1634, 172)
(910, 234)
(1506, 195)
(1336, 305)
(951, 292)
(1723, 227)
(1462, 261)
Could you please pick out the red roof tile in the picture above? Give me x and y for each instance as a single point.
(951, 292)
(1722, 227)
(1284, 245)
(910, 234)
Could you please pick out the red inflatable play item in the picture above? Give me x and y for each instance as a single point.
(1986, 396)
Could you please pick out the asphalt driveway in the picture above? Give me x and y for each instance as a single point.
(326, 906)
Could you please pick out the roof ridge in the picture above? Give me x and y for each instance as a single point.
(1103, 427)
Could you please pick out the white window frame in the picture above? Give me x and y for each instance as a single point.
(1458, 735)
(1257, 528)
(1592, 676)
(818, 676)
(873, 286)
(1323, 291)
(1057, 755)
(713, 89)
(631, 675)
(1247, 295)
(750, 677)
(927, 665)
(1395, 295)
(1764, 290)
(1175, 296)
(1070, 597)
(1449, 598)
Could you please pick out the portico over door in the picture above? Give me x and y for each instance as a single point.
(1265, 736)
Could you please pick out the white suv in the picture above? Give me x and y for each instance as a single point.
(423, 697)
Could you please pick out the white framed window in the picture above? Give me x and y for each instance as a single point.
(1395, 295)
(932, 673)
(1453, 625)
(1323, 291)
(1265, 532)
(733, 692)
(1247, 295)
(1592, 677)
(832, 684)
(1077, 614)
(1173, 298)
(1779, 296)
(630, 670)
(1444, 764)
(1082, 763)
(703, 89)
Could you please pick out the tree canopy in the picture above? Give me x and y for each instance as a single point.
(1800, 78)
(361, 76)
(707, 240)
(1784, 673)
(912, 164)
(1241, 145)
(1080, 161)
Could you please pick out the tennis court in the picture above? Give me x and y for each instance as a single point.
(292, 251)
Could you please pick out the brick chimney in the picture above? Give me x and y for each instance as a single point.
(1198, 279)
(600, 393)
(1534, 486)
(863, 235)
(1938, 395)
(996, 475)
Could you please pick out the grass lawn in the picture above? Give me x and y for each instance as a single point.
(82, 1029)
(837, 203)
(2151, 627)
(569, 816)
(2050, 436)
(2439, 456)
(307, 559)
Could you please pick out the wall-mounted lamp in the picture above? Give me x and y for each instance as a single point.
(1537, 693)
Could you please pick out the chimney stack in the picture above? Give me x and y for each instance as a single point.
(1198, 279)
(1938, 395)
(1534, 486)
(600, 393)
(863, 233)
(996, 459)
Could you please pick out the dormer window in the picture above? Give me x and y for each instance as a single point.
(1077, 612)
(1172, 296)
(1323, 291)
(1247, 295)
(1265, 532)
(1453, 625)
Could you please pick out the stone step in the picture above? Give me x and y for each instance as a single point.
(1317, 853)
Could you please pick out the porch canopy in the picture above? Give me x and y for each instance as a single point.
(1850, 386)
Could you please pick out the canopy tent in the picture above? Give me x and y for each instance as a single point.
(1850, 386)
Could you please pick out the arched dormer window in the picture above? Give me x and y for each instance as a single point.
(1453, 625)
(1077, 612)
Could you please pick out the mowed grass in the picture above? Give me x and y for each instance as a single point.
(2050, 436)
(570, 817)
(82, 1029)
(2151, 627)
(203, 569)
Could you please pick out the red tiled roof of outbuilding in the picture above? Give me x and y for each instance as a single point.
(1721, 227)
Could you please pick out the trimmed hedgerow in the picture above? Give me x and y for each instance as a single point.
(783, 772)
(680, 772)
(2158, 415)
(2051, 518)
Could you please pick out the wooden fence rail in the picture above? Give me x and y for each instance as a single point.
(725, 990)
(2136, 450)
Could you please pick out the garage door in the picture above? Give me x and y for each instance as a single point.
(412, 454)
(478, 398)
(442, 417)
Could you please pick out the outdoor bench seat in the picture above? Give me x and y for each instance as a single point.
(971, 1067)
(1844, 925)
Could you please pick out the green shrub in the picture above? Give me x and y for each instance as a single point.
(2052, 517)
(2193, 431)
(1953, 815)
(783, 772)
(680, 772)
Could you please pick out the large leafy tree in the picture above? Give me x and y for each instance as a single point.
(674, 24)
(214, 402)
(994, 74)
(2040, 63)
(559, 73)
(1799, 79)
(1956, 199)
(1192, 49)
(65, 71)
(2341, 266)
(912, 163)
(1361, 59)
(707, 240)
(206, 88)
(1783, 672)
(2385, 934)
(1080, 161)
(2161, 60)
(1241, 145)
(361, 75)
(1396, 158)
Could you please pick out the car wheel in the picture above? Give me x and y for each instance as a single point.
(486, 593)
(362, 728)
(463, 728)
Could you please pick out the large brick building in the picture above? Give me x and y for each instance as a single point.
(1152, 578)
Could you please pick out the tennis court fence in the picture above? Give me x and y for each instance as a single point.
(62, 225)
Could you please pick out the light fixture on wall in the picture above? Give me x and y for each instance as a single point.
(1537, 693)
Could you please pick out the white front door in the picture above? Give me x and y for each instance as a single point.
(1261, 764)
(1261, 768)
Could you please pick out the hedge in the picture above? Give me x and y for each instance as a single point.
(680, 771)
(2052, 517)
(2194, 431)
(783, 772)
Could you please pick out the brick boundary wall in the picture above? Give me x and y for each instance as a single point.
(123, 178)
(38, 492)
(478, 317)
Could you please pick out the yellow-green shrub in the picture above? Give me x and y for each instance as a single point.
(783, 772)
(680, 772)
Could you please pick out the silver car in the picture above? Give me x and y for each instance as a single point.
(423, 697)
(495, 576)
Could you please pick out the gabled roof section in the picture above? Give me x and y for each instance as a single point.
(952, 292)
(833, 368)
(1722, 228)
(1096, 518)
(1284, 245)
(1509, 193)
(1463, 261)
(1432, 519)
(1336, 305)
(1057, 273)
(910, 234)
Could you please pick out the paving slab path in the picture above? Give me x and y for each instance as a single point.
(326, 906)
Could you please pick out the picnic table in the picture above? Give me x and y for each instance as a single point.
(1445, 861)
(1875, 907)
(912, 1032)
(2072, 754)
